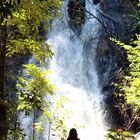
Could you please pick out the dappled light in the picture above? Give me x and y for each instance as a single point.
(69, 70)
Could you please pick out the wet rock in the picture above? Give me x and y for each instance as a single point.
(116, 23)
(96, 1)
(76, 12)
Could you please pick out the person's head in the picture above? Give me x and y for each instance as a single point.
(73, 134)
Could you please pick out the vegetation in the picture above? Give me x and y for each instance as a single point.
(129, 87)
(32, 88)
(22, 23)
(128, 91)
(118, 135)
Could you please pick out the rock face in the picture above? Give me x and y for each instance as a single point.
(114, 16)
(116, 23)
(76, 14)
(96, 1)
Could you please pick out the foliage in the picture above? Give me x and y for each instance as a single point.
(32, 86)
(136, 18)
(24, 33)
(59, 126)
(128, 80)
(15, 130)
(5, 10)
(38, 127)
(23, 21)
(113, 135)
(129, 87)
(33, 90)
(55, 117)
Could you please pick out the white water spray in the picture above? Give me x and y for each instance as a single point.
(76, 76)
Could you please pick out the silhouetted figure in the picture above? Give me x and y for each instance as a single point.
(73, 135)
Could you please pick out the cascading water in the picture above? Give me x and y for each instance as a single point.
(75, 74)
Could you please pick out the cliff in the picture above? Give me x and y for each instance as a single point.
(117, 23)
(115, 18)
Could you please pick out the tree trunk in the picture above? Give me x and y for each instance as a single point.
(3, 104)
(34, 120)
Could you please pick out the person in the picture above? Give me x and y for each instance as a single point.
(73, 135)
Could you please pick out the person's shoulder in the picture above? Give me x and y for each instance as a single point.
(78, 139)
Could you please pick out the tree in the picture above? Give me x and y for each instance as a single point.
(129, 87)
(20, 22)
(32, 88)
(4, 13)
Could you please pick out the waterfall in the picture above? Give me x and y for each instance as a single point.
(75, 73)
